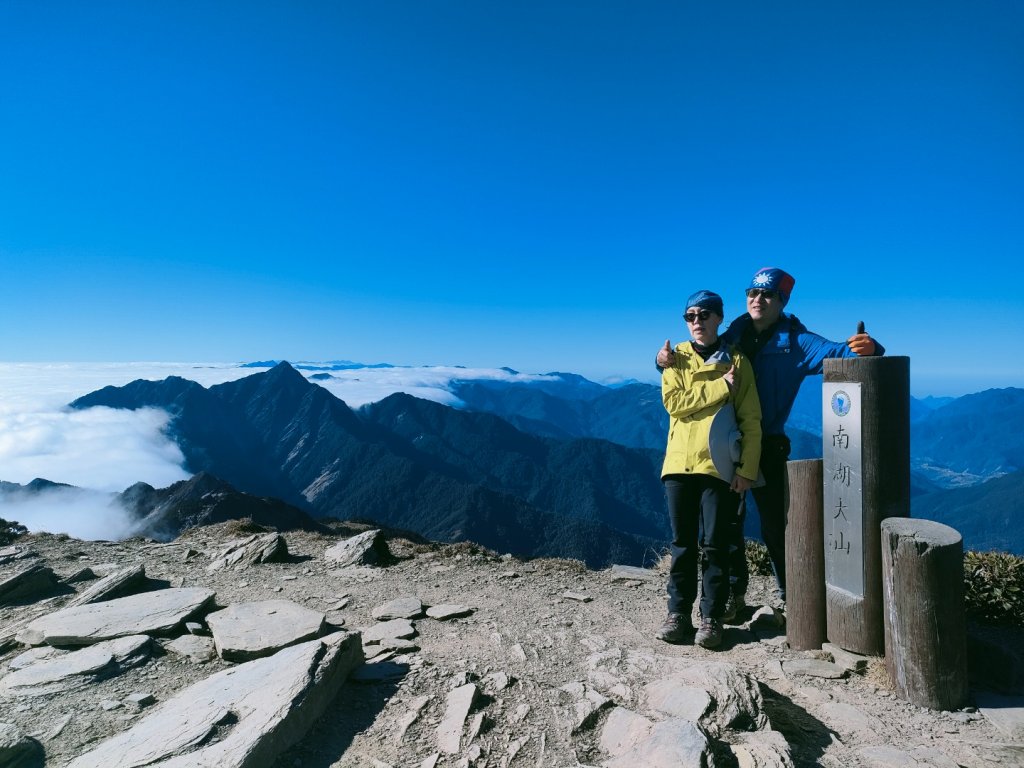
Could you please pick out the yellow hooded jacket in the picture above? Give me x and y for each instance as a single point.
(693, 391)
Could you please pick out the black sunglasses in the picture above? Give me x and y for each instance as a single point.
(753, 293)
(691, 317)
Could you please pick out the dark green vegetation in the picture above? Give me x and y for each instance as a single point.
(10, 530)
(994, 588)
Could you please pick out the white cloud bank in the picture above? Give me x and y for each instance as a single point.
(81, 513)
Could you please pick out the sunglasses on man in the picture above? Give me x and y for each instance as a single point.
(691, 317)
(753, 293)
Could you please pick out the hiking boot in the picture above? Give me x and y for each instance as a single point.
(710, 633)
(676, 628)
(734, 609)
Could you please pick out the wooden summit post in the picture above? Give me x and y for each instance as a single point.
(805, 558)
(866, 475)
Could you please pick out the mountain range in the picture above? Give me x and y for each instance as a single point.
(559, 465)
(413, 464)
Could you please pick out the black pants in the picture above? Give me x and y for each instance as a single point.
(772, 507)
(699, 504)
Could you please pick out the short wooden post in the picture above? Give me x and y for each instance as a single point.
(805, 557)
(867, 400)
(925, 627)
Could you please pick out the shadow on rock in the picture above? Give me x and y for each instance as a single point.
(808, 737)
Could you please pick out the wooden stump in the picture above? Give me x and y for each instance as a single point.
(805, 557)
(925, 629)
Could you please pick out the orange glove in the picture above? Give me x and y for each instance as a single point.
(862, 344)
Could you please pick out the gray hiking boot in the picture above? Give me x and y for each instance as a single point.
(710, 633)
(676, 628)
(735, 606)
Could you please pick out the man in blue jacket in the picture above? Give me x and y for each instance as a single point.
(783, 352)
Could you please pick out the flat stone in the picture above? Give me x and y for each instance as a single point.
(252, 630)
(141, 700)
(579, 597)
(457, 706)
(121, 582)
(761, 749)
(366, 548)
(195, 628)
(680, 701)
(252, 550)
(852, 662)
(32, 581)
(33, 655)
(669, 744)
(18, 750)
(243, 716)
(78, 669)
(623, 730)
(156, 612)
(399, 608)
(444, 612)
(195, 648)
(1004, 712)
(108, 705)
(632, 573)
(814, 668)
(496, 682)
(396, 628)
(398, 644)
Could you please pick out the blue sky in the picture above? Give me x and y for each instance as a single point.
(531, 184)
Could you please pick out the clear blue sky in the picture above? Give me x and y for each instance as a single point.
(538, 184)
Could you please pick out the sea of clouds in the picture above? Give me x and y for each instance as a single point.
(104, 450)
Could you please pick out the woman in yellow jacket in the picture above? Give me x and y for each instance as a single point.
(705, 378)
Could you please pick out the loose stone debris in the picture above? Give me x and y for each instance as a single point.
(526, 677)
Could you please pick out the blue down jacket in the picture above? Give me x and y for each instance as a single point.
(791, 354)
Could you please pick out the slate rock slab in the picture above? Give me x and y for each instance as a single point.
(35, 580)
(400, 628)
(457, 706)
(399, 608)
(814, 668)
(156, 612)
(445, 612)
(668, 744)
(243, 717)
(117, 584)
(78, 669)
(366, 548)
(252, 550)
(252, 630)
(195, 648)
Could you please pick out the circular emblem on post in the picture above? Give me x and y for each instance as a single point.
(840, 403)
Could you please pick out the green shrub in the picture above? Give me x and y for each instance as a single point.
(994, 588)
(10, 530)
(757, 558)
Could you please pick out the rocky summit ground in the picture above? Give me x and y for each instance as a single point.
(471, 658)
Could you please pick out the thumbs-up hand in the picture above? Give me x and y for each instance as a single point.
(730, 377)
(861, 343)
(666, 356)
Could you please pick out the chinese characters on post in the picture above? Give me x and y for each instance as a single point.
(841, 444)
